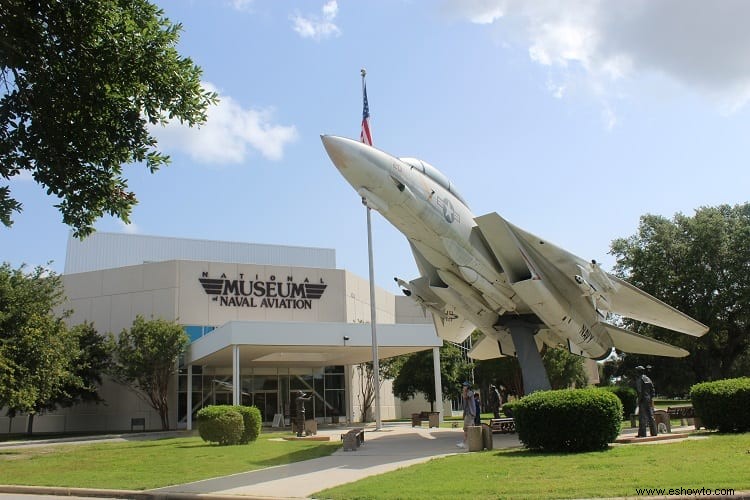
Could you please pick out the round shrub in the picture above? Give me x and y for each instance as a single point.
(220, 424)
(628, 398)
(568, 420)
(252, 423)
(723, 404)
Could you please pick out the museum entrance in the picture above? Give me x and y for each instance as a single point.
(272, 390)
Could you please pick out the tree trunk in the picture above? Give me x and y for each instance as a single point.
(30, 424)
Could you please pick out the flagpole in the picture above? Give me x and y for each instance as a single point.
(375, 360)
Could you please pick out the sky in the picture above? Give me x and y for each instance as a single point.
(570, 119)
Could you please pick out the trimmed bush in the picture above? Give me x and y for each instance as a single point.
(723, 404)
(568, 420)
(628, 397)
(220, 424)
(252, 423)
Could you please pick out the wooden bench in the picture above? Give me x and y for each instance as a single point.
(353, 439)
(135, 422)
(502, 425)
(433, 417)
(686, 414)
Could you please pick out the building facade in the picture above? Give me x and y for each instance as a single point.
(265, 322)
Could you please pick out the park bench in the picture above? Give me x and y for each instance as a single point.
(686, 414)
(353, 439)
(433, 417)
(502, 425)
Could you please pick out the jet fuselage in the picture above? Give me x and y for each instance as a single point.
(423, 205)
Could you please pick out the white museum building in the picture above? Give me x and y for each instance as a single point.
(265, 321)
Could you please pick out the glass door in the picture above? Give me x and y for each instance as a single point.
(267, 403)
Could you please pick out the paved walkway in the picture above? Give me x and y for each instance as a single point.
(393, 447)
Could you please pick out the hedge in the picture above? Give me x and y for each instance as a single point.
(220, 424)
(252, 423)
(568, 420)
(723, 404)
(628, 397)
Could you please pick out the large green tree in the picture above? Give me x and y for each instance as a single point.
(80, 82)
(701, 266)
(146, 361)
(416, 374)
(37, 351)
(91, 357)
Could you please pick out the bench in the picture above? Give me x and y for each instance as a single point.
(135, 422)
(502, 425)
(685, 413)
(353, 439)
(433, 417)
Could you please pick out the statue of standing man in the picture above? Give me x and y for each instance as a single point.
(300, 417)
(646, 393)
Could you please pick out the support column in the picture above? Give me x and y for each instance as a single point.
(532, 369)
(438, 382)
(236, 396)
(189, 415)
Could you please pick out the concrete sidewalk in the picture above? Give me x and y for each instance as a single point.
(394, 446)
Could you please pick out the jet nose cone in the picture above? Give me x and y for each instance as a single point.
(360, 164)
(342, 151)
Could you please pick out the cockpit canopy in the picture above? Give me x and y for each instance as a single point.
(434, 174)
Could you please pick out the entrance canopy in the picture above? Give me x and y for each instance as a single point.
(267, 343)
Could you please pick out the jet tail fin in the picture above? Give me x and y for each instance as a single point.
(632, 342)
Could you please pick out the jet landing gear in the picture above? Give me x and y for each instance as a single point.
(532, 368)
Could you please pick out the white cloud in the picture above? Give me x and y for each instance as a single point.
(229, 135)
(701, 45)
(318, 27)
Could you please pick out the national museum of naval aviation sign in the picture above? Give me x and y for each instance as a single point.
(269, 293)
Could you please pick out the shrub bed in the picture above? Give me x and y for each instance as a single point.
(220, 424)
(723, 404)
(568, 420)
(628, 398)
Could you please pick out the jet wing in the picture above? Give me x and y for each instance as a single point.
(632, 342)
(622, 298)
(634, 303)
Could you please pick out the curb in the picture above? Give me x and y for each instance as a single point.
(125, 494)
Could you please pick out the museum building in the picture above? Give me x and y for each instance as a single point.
(264, 321)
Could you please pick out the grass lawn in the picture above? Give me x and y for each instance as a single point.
(717, 461)
(140, 465)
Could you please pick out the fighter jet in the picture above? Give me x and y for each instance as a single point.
(518, 289)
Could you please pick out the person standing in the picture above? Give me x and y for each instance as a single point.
(646, 393)
(469, 410)
(496, 401)
(478, 412)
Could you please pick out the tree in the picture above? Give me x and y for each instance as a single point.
(416, 374)
(564, 369)
(146, 361)
(81, 82)
(36, 349)
(91, 358)
(505, 372)
(388, 368)
(700, 266)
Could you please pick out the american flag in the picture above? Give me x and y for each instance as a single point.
(365, 136)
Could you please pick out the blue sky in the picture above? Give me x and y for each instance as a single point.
(571, 119)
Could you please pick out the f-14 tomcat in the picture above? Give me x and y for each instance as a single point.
(519, 290)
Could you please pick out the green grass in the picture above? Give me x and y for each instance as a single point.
(718, 461)
(140, 465)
